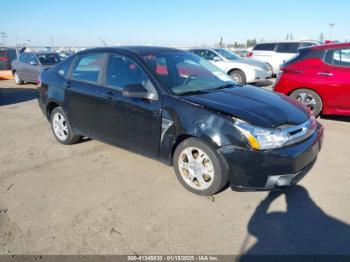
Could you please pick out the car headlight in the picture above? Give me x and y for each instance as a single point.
(262, 138)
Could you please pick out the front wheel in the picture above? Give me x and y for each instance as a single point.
(18, 80)
(238, 76)
(310, 99)
(61, 127)
(199, 168)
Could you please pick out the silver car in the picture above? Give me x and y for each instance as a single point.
(240, 69)
(28, 66)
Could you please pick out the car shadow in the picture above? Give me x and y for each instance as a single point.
(10, 96)
(304, 229)
(265, 83)
(336, 118)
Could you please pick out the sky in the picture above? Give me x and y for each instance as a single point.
(171, 23)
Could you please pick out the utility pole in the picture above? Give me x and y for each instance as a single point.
(221, 43)
(331, 26)
(52, 42)
(321, 37)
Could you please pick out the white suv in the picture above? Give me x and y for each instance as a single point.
(276, 53)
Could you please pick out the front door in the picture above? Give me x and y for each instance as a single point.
(131, 122)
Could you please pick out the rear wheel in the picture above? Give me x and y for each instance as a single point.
(238, 76)
(61, 128)
(199, 168)
(310, 99)
(17, 79)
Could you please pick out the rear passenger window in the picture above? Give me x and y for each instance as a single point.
(340, 57)
(288, 48)
(264, 47)
(88, 68)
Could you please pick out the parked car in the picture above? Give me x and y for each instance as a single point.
(319, 77)
(28, 65)
(175, 106)
(276, 53)
(7, 55)
(241, 52)
(241, 70)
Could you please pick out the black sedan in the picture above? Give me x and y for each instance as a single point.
(176, 107)
(28, 66)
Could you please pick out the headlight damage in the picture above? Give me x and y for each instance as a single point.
(271, 138)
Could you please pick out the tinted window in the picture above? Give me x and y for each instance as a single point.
(62, 69)
(206, 54)
(306, 44)
(23, 58)
(88, 68)
(123, 71)
(340, 57)
(264, 47)
(31, 58)
(49, 59)
(287, 47)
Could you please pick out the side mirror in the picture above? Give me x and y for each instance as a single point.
(217, 59)
(33, 63)
(138, 91)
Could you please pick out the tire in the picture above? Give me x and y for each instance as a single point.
(17, 79)
(310, 99)
(190, 174)
(238, 76)
(61, 128)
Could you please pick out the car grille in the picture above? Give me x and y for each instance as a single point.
(298, 133)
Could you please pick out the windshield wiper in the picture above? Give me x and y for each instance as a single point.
(223, 87)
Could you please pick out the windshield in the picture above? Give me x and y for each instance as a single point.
(49, 59)
(227, 54)
(184, 73)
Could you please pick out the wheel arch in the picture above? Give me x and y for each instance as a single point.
(51, 105)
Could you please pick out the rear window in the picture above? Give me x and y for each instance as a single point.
(7, 55)
(264, 47)
(49, 59)
(288, 48)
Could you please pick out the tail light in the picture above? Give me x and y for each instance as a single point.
(4, 59)
(250, 54)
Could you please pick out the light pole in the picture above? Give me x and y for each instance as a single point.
(331, 26)
(3, 36)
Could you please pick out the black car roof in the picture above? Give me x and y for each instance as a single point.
(138, 50)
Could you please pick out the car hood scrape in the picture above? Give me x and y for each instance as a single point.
(254, 105)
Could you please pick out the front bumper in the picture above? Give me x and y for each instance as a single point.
(258, 75)
(265, 170)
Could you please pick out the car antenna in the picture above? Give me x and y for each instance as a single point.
(103, 42)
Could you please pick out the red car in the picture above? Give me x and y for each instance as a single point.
(319, 77)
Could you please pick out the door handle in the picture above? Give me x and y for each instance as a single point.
(66, 84)
(108, 95)
(325, 74)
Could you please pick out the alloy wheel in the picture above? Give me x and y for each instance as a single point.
(60, 126)
(308, 100)
(196, 168)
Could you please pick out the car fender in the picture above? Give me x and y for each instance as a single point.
(182, 119)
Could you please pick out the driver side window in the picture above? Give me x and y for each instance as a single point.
(123, 71)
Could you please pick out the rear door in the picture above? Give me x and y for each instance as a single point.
(83, 93)
(131, 122)
(335, 75)
(32, 68)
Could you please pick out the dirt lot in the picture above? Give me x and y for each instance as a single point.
(92, 198)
